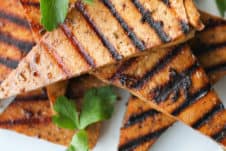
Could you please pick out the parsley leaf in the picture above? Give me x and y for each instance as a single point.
(67, 116)
(221, 4)
(97, 106)
(79, 142)
(53, 13)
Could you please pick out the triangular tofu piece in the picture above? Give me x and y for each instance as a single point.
(112, 30)
(142, 124)
(172, 81)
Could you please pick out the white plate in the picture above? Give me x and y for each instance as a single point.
(177, 138)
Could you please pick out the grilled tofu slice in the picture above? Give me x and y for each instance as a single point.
(210, 46)
(66, 52)
(172, 82)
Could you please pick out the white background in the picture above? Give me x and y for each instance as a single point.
(178, 138)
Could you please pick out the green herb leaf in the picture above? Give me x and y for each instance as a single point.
(79, 142)
(88, 1)
(53, 12)
(221, 4)
(67, 116)
(98, 105)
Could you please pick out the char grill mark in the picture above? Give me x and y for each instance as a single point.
(9, 63)
(184, 26)
(41, 97)
(137, 118)
(167, 2)
(122, 68)
(157, 67)
(208, 116)
(136, 41)
(220, 135)
(31, 121)
(53, 54)
(203, 48)
(80, 6)
(192, 98)
(177, 82)
(219, 67)
(212, 23)
(142, 139)
(23, 46)
(75, 43)
(156, 25)
(30, 3)
(14, 19)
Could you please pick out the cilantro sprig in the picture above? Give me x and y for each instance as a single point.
(98, 105)
(54, 12)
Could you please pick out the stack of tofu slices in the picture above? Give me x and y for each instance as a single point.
(167, 54)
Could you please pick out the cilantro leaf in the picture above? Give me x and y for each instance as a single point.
(79, 142)
(98, 105)
(53, 12)
(67, 116)
(221, 4)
